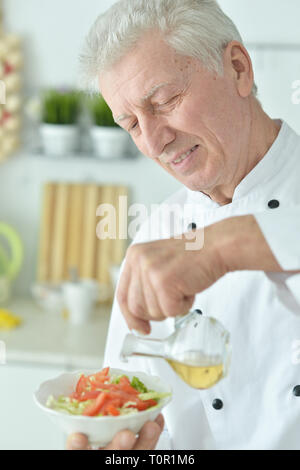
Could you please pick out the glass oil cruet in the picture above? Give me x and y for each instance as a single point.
(198, 351)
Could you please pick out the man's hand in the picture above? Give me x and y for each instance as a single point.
(161, 278)
(124, 440)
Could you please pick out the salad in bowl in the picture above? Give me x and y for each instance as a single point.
(100, 404)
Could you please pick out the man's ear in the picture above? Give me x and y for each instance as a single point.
(238, 65)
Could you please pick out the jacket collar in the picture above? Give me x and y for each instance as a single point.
(267, 167)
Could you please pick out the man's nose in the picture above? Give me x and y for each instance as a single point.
(156, 135)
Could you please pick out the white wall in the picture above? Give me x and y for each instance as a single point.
(267, 21)
(270, 29)
(53, 32)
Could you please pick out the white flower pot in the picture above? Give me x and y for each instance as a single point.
(110, 142)
(59, 140)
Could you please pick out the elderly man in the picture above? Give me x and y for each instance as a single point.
(178, 78)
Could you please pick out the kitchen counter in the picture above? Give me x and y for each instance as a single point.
(49, 339)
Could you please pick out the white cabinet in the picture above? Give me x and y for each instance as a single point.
(23, 426)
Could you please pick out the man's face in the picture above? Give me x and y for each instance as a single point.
(172, 106)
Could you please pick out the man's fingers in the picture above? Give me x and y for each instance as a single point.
(133, 322)
(135, 298)
(160, 421)
(153, 308)
(124, 440)
(77, 442)
(148, 436)
(173, 300)
(122, 291)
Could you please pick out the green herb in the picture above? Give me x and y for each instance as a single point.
(100, 112)
(61, 107)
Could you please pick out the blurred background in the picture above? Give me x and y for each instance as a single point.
(60, 158)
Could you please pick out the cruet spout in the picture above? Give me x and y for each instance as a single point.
(137, 346)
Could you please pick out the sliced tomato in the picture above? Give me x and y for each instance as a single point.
(95, 408)
(102, 375)
(129, 389)
(90, 395)
(124, 380)
(82, 384)
(93, 381)
(147, 403)
(74, 396)
(124, 385)
(142, 405)
(112, 410)
(106, 397)
(122, 396)
(96, 384)
(96, 380)
(110, 387)
(105, 371)
(110, 407)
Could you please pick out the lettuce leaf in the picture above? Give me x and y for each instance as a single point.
(138, 385)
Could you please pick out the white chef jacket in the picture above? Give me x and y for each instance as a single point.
(260, 310)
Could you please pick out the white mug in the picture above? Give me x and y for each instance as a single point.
(79, 299)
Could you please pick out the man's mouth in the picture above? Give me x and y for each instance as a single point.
(184, 155)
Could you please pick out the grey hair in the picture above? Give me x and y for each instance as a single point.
(195, 28)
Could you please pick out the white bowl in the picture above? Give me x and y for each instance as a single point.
(99, 430)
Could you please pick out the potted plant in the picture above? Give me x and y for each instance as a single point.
(109, 140)
(59, 115)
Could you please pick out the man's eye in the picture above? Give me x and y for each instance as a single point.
(134, 126)
(169, 101)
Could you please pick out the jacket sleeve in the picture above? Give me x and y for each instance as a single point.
(281, 229)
